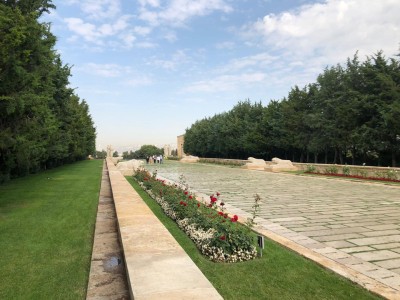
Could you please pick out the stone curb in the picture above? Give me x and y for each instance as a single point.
(156, 265)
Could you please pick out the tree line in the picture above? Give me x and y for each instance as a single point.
(350, 115)
(43, 122)
(143, 152)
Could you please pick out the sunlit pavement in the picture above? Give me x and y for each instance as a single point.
(356, 224)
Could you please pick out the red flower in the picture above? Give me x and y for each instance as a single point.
(210, 205)
(221, 213)
(225, 216)
(213, 199)
(222, 238)
(236, 217)
(181, 202)
(190, 197)
(145, 179)
(184, 203)
(186, 192)
(233, 220)
(198, 204)
(218, 194)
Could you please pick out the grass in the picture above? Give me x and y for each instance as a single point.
(46, 232)
(279, 274)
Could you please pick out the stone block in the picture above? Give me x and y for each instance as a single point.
(190, 159)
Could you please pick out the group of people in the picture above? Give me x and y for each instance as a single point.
(154, 159)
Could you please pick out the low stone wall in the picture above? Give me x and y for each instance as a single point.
(223, 161)
(369, 171)
(156, 265)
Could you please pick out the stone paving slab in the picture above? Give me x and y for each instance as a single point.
(346, 215)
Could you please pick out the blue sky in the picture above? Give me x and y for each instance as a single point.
(150, 68)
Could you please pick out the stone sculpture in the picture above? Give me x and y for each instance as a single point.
(128, 168)
(190, 159)
(278, 165)
(255, 164)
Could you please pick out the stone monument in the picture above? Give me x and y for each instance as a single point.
(278, 165)
(255, 164)
(190, 159)
(128, 168)
(109, 151)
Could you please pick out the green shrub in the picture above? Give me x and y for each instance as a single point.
(311, 169)
(332, 170)
(346, 170)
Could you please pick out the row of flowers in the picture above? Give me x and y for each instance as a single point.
(216, 234)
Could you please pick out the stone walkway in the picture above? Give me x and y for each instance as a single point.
(107, 278)
(355, 224)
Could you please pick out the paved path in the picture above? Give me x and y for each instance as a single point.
(355, 224)
(107, 279)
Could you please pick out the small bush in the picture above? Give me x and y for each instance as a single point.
(346, 170)
(332, 170)
(311, 169)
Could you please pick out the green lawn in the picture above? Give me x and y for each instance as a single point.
(46, 232)
(279, 274)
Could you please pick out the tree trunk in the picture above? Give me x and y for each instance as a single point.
(326, 155)
(394, 163)
(353, 156)
(335, 156)
(341, 157)
(308, 156)
(315, 158)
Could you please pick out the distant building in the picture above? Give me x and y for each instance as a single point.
(167, 150)
(179, 145)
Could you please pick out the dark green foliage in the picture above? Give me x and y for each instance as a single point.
(143, 152)
(350, 115)
(42, 122)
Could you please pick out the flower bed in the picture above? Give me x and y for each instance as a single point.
(219, 237)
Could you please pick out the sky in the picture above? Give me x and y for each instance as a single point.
(150, 68)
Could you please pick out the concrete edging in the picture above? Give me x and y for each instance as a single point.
(156, 265)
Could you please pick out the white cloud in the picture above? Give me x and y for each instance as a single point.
(226, 82)
(142, 30)
(259, 61)
(178, 58)
(153, 3)
(177, 12)
(225, 45)
(100, 9)
(147, 45)
(302, 42)
(171, 37)
(106, 70)
(139, 81)
(87, 30)
(96, 34)
(334, 29)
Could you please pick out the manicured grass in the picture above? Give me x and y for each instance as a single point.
(46, 232)
(279, 274)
